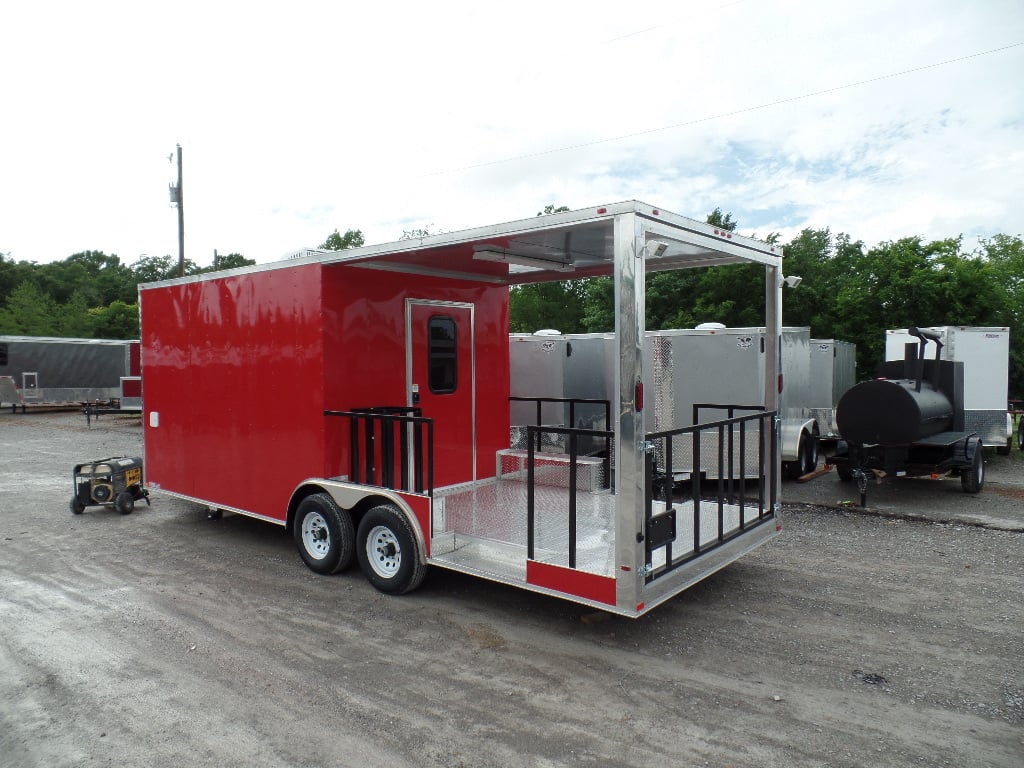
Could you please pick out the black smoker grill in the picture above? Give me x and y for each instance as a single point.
(116, 482)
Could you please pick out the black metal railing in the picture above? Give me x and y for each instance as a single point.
(390, 447)
(729, 489)
(572, 402)
(573, 436)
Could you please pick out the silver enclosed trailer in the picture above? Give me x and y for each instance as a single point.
(833, 368)
(692, 369)
(683, 369)
(63, 370)
(985, 353)
(573, 374)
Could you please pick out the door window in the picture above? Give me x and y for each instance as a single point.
(442, 354)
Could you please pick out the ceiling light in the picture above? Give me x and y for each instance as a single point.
(537, 262)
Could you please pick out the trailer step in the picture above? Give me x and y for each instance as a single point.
(552, 469)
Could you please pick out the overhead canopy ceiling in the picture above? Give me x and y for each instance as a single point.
(576, 244)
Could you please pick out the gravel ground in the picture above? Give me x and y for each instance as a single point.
(164, 638)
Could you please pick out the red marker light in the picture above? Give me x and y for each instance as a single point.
(639, 396)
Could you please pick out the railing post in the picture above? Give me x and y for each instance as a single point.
(649, 469)
(387, 452)
(353, 433)
(695, 484)
(743, 473)
(572, 498)
(529, 490)
(608, 446)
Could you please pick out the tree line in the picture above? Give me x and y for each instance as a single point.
(849, 292)
(88, 295)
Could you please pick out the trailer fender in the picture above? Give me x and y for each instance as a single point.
(790, 432)
(357, 499)
(1001, 449)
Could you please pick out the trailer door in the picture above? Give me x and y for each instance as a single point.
(440, 379)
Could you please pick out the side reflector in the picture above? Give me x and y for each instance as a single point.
(639, 396)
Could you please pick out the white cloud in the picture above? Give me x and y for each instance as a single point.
(301, 118)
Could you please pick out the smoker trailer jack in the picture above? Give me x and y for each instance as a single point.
(115, 482)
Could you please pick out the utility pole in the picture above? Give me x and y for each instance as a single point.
(181, 221)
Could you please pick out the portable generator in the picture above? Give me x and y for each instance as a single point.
(116, 482)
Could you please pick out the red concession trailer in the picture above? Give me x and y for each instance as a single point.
(360, 399)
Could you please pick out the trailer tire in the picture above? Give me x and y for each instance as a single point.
(387, 551)
(1020, 434)
(124, 503)
(972, 478)
(806, 457)
(324, 534)
(77, 507)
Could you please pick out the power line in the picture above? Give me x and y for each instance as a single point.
(744, 110)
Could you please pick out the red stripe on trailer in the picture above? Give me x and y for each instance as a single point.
(570, 581)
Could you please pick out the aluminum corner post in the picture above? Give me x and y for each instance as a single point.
(629, 243)
(773, 363)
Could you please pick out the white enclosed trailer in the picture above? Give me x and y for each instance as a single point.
(985, 353)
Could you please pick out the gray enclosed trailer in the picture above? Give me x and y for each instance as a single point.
(833, 370)
(65, 370)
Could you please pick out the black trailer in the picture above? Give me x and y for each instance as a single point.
(909, 422)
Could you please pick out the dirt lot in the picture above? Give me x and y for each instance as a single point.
(164, 638)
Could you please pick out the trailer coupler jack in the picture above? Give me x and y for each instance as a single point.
(862, 485)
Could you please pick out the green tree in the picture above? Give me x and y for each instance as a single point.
(74, 319)
(599, 305)
(417, 233)
(353, 238)
(14, 273)
(1005, 255)
(556, 305)
(721, 220)
(29, 312)
(150, 269)
(231, 261)
(116, 321)
(550, 208)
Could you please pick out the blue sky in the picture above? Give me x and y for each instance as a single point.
(876, 119)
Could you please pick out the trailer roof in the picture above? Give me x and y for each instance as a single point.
(65, 340)
(560, 246)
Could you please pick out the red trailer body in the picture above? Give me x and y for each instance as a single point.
(263, 355)
(361, 399)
